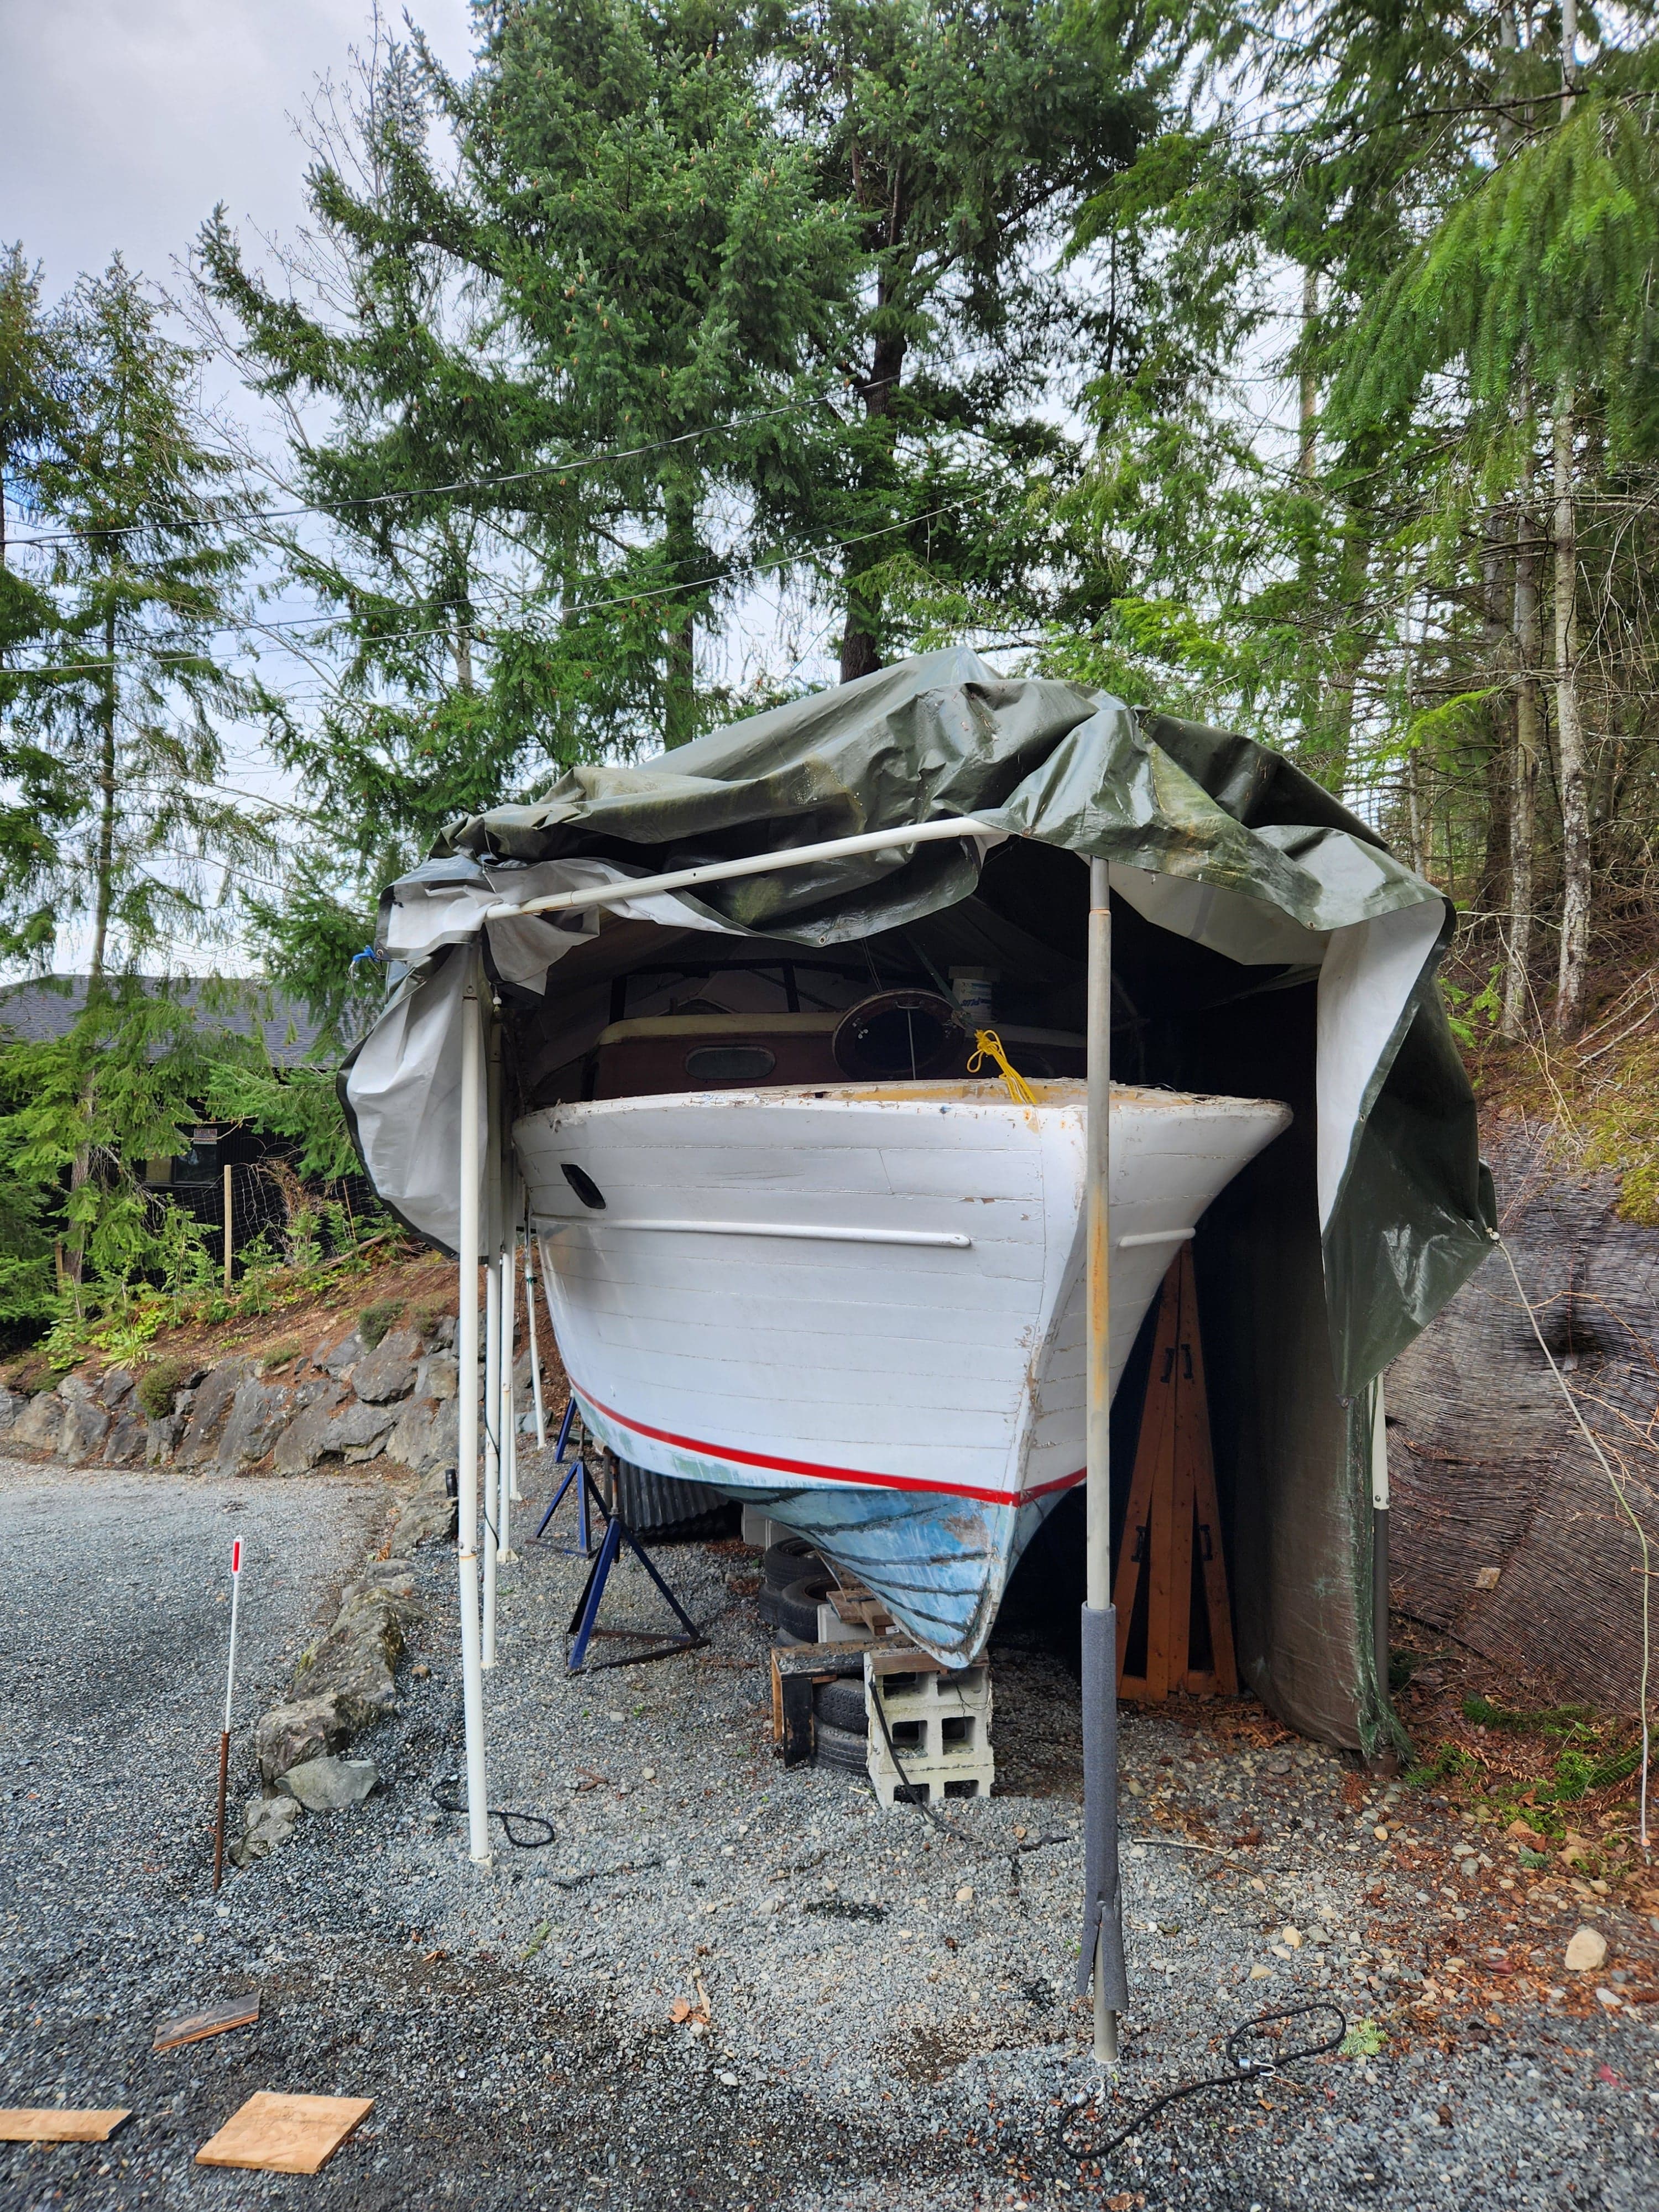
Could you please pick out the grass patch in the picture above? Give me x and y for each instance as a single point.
(1449, 1759)
(1553, 1720)
(158, 1386)
(374, 1322)
(431, 1315)
(278, 1355)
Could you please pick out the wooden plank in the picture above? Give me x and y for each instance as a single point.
(1207, 1513)
(48, 2123)
(191, 2027)
(273, 2134)
(1134, 1553)
(800, 1736)
(1182, 1475)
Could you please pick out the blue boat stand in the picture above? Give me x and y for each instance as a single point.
(583, 1620)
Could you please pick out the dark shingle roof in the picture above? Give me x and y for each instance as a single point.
(31, 1012)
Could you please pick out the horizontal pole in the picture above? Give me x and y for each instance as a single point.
(807, 1231)
(1155, 1237)
(755, 863)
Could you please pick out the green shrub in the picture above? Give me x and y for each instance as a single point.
(160, 1385)
(430, 1317)
(375, 1321)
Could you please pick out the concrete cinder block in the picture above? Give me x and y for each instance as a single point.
(939, 1720)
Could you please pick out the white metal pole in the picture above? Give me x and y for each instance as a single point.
(478, 1793)
(1100, 1619)
(492, 1391)
(230, 1693)
(507, 1417)
(530, 1335)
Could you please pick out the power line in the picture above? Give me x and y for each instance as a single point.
(466, 483)
(448, 629)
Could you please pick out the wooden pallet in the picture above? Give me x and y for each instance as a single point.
(1173, 1516)
(796, 1667)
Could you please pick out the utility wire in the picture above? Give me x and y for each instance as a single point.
(448, 629)
(461, 484)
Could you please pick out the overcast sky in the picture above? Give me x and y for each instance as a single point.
(126, 120)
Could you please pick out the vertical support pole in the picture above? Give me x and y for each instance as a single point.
(530, 1333)
(229, 1227)
(492, 1391)
(230, 1697)
(508, 1415)
(466, 1346)
(1380, 1537)
(1100, 1961)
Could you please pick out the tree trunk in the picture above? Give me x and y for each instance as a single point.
(104, 866)
(1495, 557)
(1576, 888)
(1523, 804)
(860, 648)
(679, 680)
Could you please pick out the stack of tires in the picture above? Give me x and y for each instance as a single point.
(795, 1582)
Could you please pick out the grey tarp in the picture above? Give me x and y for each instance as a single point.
(1210, 836)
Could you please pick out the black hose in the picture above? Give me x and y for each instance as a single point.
(1245, 2071)
(447, 1796)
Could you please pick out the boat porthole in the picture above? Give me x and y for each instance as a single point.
(585, 1187)
(729, 1063)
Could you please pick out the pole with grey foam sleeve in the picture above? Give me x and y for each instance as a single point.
(467, 1455)
(1100, 1956)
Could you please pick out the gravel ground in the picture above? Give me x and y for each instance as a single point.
(872, 2012)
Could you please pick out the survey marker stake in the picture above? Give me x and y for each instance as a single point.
(224, 1737)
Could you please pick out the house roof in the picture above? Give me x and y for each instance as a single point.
(33, 1012)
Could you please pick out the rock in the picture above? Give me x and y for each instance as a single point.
(267, 1825)
(437, 1375)
(116, 1388)
(353, 1663)
(210, 1411)
(388, 1371)
(427, 1434)
(127, 1441)
(305, 1729)
(427, 1517)
(1292, 1936)
(77, 1391)
(1586, 1952)
(336, 1427)
(41, 1422)
(86, 1425)
(329, 1785)
(259, 1412)
(10, 1407)
(337, 1360)
(161, 1440)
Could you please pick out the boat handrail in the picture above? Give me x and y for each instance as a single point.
(753, 863)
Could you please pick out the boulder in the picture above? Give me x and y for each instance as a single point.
(337, 1359)
(161, 1440)
(259, 1412)
(427, 1433)
(77, 1389)
(41, 1422)
(86, 1425)
(329, 1785)
(116, 1388)
(353, 1663)
(10, 1407)
(336, 1427)
(267, 1824)
(304, 1728)
(437, 1376)
(210, 1411)
(426, 1517)
(388, 1371)
(128, 1440)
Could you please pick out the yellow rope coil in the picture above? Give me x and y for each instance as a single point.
(990, 1046)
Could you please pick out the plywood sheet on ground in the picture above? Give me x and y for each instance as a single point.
(285, 2135)
(45, 2123)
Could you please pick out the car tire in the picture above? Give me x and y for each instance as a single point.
(787, 1560)
(840, 1747)
(840, 1705)
(798, 1606)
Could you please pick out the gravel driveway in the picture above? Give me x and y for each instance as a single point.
(872, 2013)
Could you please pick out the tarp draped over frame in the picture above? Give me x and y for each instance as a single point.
(1209, 836)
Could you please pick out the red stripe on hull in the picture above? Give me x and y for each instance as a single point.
(812, 1473)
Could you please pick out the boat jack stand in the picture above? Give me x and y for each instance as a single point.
(582, 1628)
(587, 1491)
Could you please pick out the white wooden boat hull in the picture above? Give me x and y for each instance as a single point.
(862, 1307)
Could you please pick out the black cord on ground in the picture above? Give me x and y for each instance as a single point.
(913, 1794)
(1245, 2071)
(447, 1796)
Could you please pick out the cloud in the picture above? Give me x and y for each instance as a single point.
(126, 123)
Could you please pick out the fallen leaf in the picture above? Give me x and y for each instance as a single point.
(1613, 2081)
(679, 2010)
